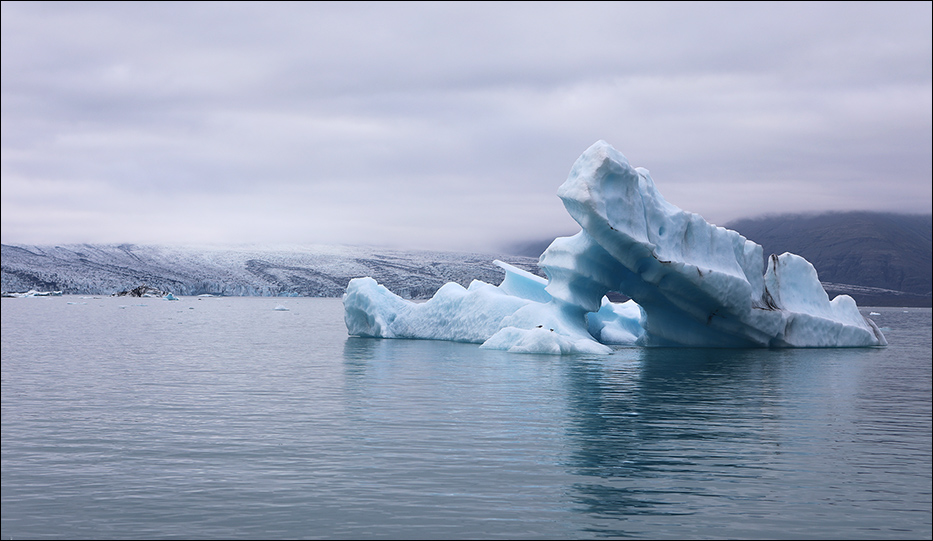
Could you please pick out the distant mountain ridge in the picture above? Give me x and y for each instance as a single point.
(880, 259)
(306, 271)
(886, 256)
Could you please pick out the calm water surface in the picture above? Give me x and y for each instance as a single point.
(222, 417)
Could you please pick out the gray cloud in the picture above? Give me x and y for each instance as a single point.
(447, 125)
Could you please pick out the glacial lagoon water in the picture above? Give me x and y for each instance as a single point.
(226, 418)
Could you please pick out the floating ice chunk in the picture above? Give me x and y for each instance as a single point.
(545, 328)
(170, 297)
(695, 284)
(540, 340)
(34, 293)
(280, 308)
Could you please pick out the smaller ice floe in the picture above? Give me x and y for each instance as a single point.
(34, 293)
(205, 295)
(280, 308)
(874, 314)
(170, 297)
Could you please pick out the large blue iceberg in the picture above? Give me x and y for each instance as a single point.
(692, 284)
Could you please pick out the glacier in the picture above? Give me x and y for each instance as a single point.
(300, 270)
(691, 284)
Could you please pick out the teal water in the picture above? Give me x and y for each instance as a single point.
(222, 418)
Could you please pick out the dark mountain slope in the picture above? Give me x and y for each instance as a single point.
(869, 249)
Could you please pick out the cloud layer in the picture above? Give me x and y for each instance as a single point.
(447, 125)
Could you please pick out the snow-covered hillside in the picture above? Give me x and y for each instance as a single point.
(307, 271)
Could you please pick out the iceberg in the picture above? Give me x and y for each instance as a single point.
(691, 284)
(33, 293)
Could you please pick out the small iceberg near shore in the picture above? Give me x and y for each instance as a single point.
(692, 284)
(33, 293)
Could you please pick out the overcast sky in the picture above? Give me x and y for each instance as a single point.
(447, 125)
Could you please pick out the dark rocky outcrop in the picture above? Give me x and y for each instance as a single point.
(141, 291)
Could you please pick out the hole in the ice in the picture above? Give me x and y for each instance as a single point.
(616, 296)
